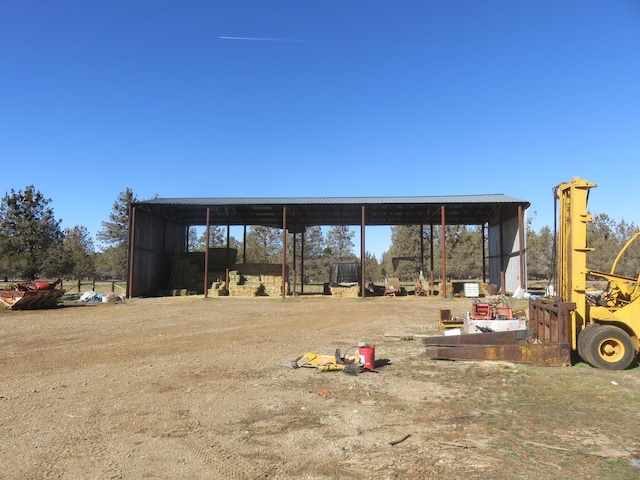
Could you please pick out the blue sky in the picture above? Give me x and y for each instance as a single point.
(326, 98)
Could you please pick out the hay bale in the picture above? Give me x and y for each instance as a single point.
(253, 280)
(245, 290)
(449, 287)
(486, 289)
(346, 292)
(218, 289)
(261, 279)
(273, 285)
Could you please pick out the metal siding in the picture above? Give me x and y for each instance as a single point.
(493, 240)
(156, 239)
(510, 254)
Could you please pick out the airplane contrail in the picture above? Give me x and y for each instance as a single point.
(260, 39)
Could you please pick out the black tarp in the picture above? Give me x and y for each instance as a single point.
(344, 274)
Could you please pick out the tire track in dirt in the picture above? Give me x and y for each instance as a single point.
(61, 452)
(222, 462)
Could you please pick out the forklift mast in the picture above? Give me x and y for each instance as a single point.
(572, 248)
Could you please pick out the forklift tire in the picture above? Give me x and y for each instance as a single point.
(610, 348)
(584, 341)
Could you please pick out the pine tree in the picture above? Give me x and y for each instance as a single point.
(602, 235)
(79, 253)
(608, 238)
(540, 262)
(193, 242)
(264, 244)
(30, 235)
(115, 234)
(340, 244)
(405, 249)
(109, 264)
(464, 252)
(316, 267)
(372, 268)
(217, 239)
(629, 263)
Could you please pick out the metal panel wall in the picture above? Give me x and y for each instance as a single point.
(155, 241)
(504, 254)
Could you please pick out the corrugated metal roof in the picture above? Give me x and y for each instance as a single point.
(444, 199)
(306, 211)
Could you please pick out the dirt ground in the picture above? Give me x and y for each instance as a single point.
(186, 387)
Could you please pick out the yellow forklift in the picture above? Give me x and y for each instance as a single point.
(601, 327)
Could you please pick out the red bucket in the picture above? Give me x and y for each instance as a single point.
(367, 357)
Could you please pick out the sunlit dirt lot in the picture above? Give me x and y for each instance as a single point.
(186, 387)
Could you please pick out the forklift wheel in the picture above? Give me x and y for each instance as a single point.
(609, 348)
(584, 342)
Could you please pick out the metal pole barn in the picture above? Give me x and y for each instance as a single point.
(132, 247)
(362, 254)
(206, 255)
(443, 291)
(284, 251)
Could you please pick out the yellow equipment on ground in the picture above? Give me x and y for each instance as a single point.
(324, 363)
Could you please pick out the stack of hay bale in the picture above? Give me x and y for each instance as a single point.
(346, 292)
(252, 280)
(218, 289)
(187, 269)
(245, 285)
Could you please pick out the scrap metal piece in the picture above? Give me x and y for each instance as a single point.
(300, 361)
(551, 354)
(352, 369)
(518, 346)
(492, 338)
